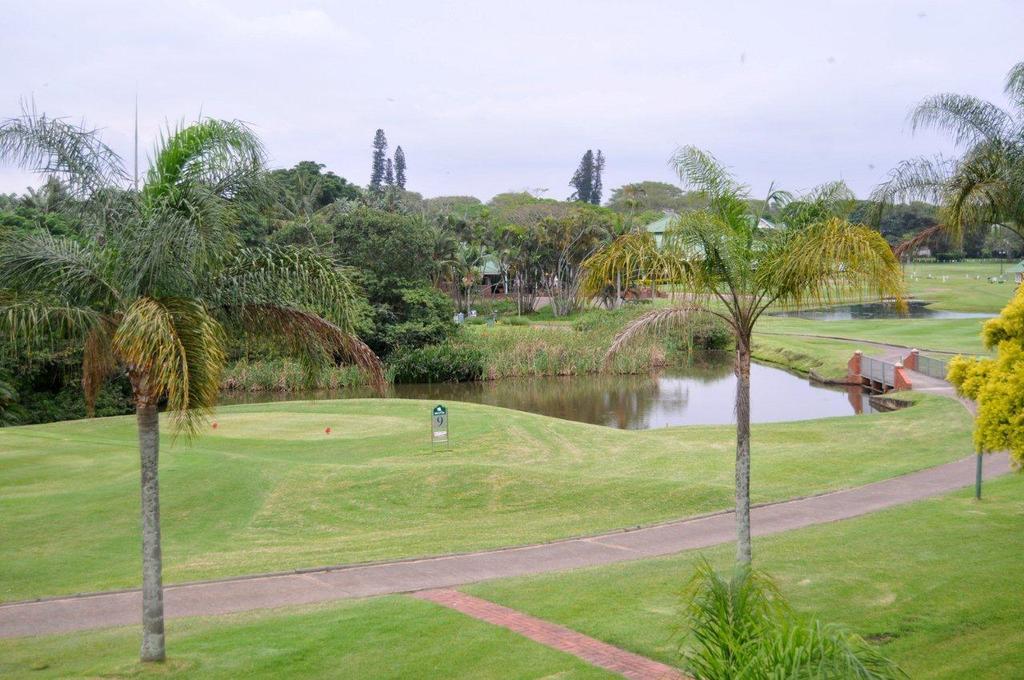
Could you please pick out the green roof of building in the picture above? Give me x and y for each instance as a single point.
(490, 266)
(660, 226)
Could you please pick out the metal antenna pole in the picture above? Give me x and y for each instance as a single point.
(136, 170)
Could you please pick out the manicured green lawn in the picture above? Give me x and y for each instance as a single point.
(392, 637)
(950, 335)
(269, 490)
(932, 582)
(965, 289)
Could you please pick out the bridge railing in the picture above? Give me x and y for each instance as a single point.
(878, 370)
(936, 368)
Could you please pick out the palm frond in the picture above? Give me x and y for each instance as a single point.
(656, 320)
(966, 119)
(223, 155)
(1014, 87)
(189, 199)
(910, 244)
(701, 171)
(37, 321)
(98, 362)
(174, 349)
(54, 147)
(44, 264)
(739, 627)
(308, 337)
(631, 259)
(300, 278)
(830, 261)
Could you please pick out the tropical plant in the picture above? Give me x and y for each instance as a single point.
(728, 266)
(741, 628)
(985, 185)
(997, 384)
(157, 290)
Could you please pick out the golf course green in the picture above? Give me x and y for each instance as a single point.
(268, 489)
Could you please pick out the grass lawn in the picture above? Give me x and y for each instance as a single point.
(269, 490)
(392, 637)
(961, 291)
(965, 289)
(932, 582)
(948, 335)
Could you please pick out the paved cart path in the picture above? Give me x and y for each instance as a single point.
(122, 608)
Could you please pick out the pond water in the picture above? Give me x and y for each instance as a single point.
(880, 310)
(699, 393)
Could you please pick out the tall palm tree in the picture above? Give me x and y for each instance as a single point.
(159, 284)
(730, 267)
(985, 185)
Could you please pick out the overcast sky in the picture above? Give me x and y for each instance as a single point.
(486, 97)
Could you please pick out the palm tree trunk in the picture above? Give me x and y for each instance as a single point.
(148, 419)
(743, 549)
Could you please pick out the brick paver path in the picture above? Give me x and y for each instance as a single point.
(592, 651)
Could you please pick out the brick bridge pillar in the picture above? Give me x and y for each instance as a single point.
(853, 368)
(911, 360)
(900, 378)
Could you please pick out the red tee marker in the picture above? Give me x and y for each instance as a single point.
(327, 431)
(215, 424)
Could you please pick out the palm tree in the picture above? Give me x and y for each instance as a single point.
(985, 185)
(730, 267)
(159, 284)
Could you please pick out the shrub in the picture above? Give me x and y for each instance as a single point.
(423, 316)
(742, 627)
(503, 307)
(436, 363)
(285, 375)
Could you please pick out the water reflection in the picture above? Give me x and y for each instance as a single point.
(701, 392)
(880, 310)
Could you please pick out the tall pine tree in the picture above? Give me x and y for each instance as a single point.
(380, 152)
(595, 192)
(583, 179)
(389, 173)
(400, 167)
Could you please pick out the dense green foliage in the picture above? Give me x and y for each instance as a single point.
(655, 198)
(437, 363)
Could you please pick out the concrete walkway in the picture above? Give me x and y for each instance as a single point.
(595, 652)
(123, 608)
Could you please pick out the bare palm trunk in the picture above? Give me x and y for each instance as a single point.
(743, 550)
(148, 419)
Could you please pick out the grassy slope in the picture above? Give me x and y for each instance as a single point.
(268, 490)
(393, 637)
(933, 581)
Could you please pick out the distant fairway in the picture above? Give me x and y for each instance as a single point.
(269, 490)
